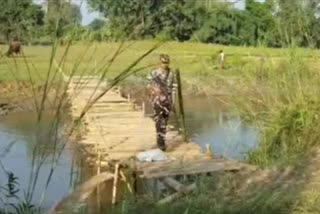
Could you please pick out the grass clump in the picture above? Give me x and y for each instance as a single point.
(223, 194)
(282, 101)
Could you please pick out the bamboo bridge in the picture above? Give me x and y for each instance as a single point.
(116, 130)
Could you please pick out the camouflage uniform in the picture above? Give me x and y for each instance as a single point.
(162, 86)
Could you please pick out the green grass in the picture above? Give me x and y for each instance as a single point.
(193, 59)
(232, 194)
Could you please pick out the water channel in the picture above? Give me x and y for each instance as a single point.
(208, 122)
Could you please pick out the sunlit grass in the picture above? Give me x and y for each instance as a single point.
(193, 59)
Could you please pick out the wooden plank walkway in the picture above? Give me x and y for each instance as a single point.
(117, 131)
(114, 126)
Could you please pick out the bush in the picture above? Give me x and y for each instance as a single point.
(163, 36)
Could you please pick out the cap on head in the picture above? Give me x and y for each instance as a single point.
(164, 59)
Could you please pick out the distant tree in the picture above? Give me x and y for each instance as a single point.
(140, 18)
(295, 22)
(178, 19)
(97, 24)
(134, 18)
(275, 23)
(61, 16)
(260, 14)
(314, 8)
(18, 18)
(222, 24)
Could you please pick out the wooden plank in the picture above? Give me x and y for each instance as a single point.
(192, 168)
(110, 105)
(121, 114)
(145, 166)
(109, 102)
(94, 109)
(114, 121)
(120, 138)
(121, 131)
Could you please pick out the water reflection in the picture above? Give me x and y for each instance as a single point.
(209, 122)
(18, 138)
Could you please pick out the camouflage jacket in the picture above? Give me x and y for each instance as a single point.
(162, 84)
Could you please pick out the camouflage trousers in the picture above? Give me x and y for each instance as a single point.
(161, 110)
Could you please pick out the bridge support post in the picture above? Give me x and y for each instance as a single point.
(181, 107)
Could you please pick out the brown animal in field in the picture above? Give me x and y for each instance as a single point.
(14, 48)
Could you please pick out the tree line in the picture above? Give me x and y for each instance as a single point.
(26, 21)
(272, 23)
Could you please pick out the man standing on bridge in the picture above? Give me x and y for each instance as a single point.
(161, 90)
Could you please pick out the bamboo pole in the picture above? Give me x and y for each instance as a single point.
(181, 108)
(126, 181)
(98, 186)
(176, 195)
(135, 182)
(143, 109)
(115, 183)
(174, 184)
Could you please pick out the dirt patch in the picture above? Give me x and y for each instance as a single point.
(20, 96)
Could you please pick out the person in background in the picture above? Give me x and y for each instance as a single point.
(221, 60)
(161, 88)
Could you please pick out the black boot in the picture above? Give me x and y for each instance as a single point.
(161, 143)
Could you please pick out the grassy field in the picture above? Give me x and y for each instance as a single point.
(193, 59)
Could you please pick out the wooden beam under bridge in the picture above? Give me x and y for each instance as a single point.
(174, 168)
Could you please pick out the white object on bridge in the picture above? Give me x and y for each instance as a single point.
(152, 156)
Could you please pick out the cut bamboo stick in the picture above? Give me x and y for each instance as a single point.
(176, 195)
(126, 181)
(98, 186)
(143, 109)
(174, 184)
(115, 183)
